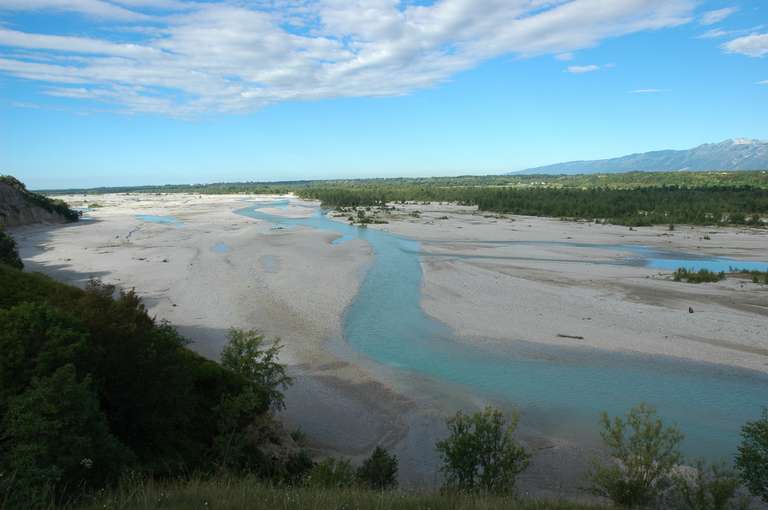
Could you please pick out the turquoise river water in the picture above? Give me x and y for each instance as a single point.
(564, 388)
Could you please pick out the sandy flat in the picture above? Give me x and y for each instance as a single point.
(488, 291)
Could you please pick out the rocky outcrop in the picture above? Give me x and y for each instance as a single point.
(19, 206)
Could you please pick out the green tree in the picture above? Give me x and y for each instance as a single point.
(644, 453)
(752, 459)
(246, 355)
(56, 442)
(379, 471)
(35, 340)
(480, 452)
(9, 254)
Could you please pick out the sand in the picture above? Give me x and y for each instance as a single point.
(546, 294)
(215, 269)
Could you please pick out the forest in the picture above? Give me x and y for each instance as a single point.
(635, 199)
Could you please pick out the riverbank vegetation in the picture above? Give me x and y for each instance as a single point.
(635, 199)
(701, 276)
(92, 387)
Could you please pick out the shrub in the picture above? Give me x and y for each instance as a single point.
(706, 487)
(752, 459)
(643, 452)
(332, 473)
(379, 471)
(481, 454)
(9, 254)
(700, 276)
(58, 442)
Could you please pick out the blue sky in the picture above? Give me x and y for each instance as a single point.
(125, 92)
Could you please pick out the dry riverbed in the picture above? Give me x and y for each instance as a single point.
(213, 269)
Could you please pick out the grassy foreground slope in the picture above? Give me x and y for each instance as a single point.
(226, 493)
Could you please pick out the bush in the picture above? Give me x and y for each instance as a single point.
(332, 473)
(706, 487)
(752, 459)
(480, 453)
(379, 471)
(9, 254)
(96, 371)
(643, 452)
(57, 440)
(700, 276)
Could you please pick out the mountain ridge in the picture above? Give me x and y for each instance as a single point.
(733, 154)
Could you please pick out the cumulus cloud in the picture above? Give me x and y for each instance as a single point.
(716, 16)
(191, 57)
(755, 45)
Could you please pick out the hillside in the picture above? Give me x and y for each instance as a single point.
(734, 154)
(19, 206)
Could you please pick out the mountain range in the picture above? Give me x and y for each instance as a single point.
(733, 154)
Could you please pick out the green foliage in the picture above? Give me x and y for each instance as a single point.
(119, 377)
(246, 355)
(332, 473)
(700, 276)
(708, 487)
(643, 452)
(480, 453)
(56, 439)
(36, 340)
(752, 459)
(379, 471)
(9, 254)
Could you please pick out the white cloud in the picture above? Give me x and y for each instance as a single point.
(92, 8)
(764, 82)
(197, 57)
(755, 45)
(646, 91)
(590, 68)
(564, 57)
(714, 34)
(716, 16)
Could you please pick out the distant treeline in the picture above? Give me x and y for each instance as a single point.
(637, 207)
(637, 198)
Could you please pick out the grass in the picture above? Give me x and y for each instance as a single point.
(700, 276)
(231, 493)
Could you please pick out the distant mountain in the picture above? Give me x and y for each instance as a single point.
(734, 154)
(19, 206)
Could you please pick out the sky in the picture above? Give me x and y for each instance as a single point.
(130, 92)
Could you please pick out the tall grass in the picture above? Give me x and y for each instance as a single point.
(232, 493)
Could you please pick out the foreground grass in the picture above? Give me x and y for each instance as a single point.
(250, 493)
